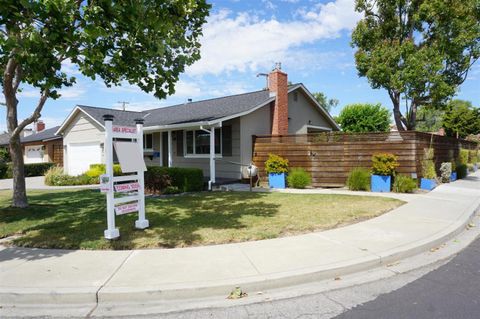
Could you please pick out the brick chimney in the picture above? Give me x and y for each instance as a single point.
(278, 87)
(39, 126)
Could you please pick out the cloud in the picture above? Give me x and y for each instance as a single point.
(75, 92)
(244, 42)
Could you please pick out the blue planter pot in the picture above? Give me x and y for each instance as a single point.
(428, 184)
(453, 177)
(380, 183)
(276, 180)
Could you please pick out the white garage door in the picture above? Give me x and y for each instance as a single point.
(81, 155)
(33, 154)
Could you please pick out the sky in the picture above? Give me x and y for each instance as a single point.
(311, 38)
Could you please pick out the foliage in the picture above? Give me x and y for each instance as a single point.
(30, 170)
(75, 219)
(276, 164)
(98, 169)
(384, 164)
(462, 171)
(4, 155)
(419, 51)
(157, 179)
(429, 119)
(470, 167)
(463, 156)
(428, 169)
(445, 172)
(359, 179)
(327, 104)
(298, 178)
(364, 118)
(143, 43)
(169, 190)
(55, 176)
(461, 119)
(3, 170)
(404, 184)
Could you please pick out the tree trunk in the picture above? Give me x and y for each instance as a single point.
(412, 119)
(397, 115)
(19, 198)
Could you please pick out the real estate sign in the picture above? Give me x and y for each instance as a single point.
(130, 155)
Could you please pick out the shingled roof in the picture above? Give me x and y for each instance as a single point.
(48, 134)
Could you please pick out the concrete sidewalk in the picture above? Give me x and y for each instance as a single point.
(35, 276)
(38, 182)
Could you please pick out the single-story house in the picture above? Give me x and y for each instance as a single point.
(181, 135)
(40, 145)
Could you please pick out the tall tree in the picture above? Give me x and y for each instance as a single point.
(327, 104)
(461, 119)
(420, 51)
(146, 43)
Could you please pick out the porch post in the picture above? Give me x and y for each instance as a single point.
(170, 149)
(212, 158)
(161, 148)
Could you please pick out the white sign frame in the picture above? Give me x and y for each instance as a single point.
(138, 199)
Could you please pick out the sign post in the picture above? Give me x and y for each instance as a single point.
(130, 156)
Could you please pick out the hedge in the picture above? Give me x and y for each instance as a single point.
(34, 169)
(185, 179)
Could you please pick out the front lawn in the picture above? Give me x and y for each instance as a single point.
(77, 218)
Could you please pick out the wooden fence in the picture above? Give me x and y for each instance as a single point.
(329, 157)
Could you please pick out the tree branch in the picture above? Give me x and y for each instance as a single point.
(18, 78)
(35, 115)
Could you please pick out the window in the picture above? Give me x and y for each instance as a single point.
(198, 142)
(148, 141)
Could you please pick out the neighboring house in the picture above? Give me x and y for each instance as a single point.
(180, 135)
(40, 147)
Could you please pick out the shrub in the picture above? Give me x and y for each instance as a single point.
(30, 170)
(56, 177)
(428, 165)
(359, 179)
(3, 170)
(445, 172)
(117, 170)
(472, 156)
(384, 164)
(470, 167)
(404, 184)
(364, 118)
(4, 155)
(276, 164)
(463, 156)
(461, 171)
(298, 178)
(186, 179)
(171, 190)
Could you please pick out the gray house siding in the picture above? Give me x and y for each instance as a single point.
(303, 112)
(224, 167)
(256, 123)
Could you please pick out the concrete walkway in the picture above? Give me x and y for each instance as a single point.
(61, 276)
(38, 182)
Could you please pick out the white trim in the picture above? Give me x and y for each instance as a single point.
(319, 127)
(71, 115)
(207, 155)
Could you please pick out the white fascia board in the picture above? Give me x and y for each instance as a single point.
(322, 110)
(319, 127)
(71, 115)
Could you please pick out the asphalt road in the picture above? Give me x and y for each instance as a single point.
(451, 291)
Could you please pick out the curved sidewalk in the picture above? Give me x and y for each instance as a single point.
(61, 276)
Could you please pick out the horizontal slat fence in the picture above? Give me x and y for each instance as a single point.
(329, 157)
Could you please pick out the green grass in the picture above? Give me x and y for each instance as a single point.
(77, 218)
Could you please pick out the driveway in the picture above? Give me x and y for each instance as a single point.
(38, 182)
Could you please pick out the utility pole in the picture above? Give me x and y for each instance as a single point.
(124, 103)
